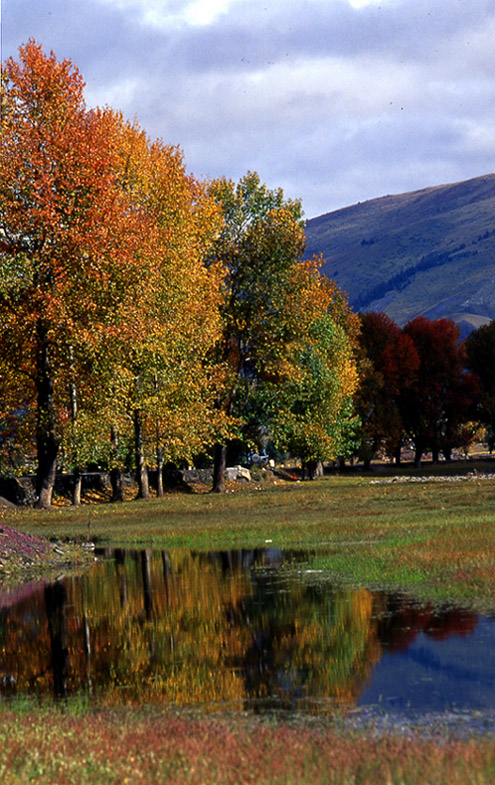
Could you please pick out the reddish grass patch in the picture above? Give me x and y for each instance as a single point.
(126, 747)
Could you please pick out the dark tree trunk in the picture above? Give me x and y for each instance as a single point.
(141, 468)
(219, 466)
(122, 577)
(417, 456)
(312, 469)
(398, 455)
(117, 485)
(116, 471)
(47, 440)
(146, 558)
(167, 575)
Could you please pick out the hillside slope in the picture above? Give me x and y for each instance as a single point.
(428, 252)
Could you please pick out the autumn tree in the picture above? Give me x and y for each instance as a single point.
(480, 358)
(261, 238)
(66, 242)
(161, 379)
(388, 366)
(281, 343)
(438, 402)
(310, 410)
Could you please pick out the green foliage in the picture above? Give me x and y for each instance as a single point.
(312, 413)
(287, 332)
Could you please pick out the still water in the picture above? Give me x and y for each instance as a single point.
(243, 630)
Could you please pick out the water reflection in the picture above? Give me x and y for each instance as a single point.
(241, 629)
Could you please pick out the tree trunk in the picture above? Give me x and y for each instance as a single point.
(116, 471)
(219, 466)
(312, 469)
(76, 487)
(77, 479)
(146, 559)
(47, 440)
(141, 468)
(117, 485)
(159, 453)
(167, 574)
(120, 556)
(159, 471)
(417, 456)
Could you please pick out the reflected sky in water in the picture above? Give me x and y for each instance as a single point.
(250, 630)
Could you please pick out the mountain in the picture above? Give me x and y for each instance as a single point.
(428, 252)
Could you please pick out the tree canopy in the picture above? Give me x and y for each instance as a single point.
(144, 314)
(285, 342)
(480, 358)
(149, 317)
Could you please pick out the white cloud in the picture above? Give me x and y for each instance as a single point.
(335, 100)
(204, 12)
(170, 13)
(363, 3)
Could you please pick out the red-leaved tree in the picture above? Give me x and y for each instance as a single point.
(439, 402)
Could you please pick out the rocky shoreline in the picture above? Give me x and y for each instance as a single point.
(455, 723)
(434, 478)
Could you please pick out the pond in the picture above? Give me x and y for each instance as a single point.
(254, 631)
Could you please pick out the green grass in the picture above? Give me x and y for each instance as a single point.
(434, 539)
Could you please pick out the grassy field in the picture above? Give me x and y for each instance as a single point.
(435, 539)
(140, 747)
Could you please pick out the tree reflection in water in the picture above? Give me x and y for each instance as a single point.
(238, 628)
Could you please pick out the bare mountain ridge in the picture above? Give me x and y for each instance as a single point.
(429, 252)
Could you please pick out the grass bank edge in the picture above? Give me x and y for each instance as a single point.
(436, 541)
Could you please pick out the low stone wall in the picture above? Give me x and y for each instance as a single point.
(18, 490)
(21, 490)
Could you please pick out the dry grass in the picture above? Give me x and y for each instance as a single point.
(151, 749)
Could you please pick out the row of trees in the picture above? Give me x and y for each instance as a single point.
(419, 384)
(147, 317)
(145, 312)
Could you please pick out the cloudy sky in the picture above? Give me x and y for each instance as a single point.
(336, 101)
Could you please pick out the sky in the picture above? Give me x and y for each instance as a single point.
(335, 101)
